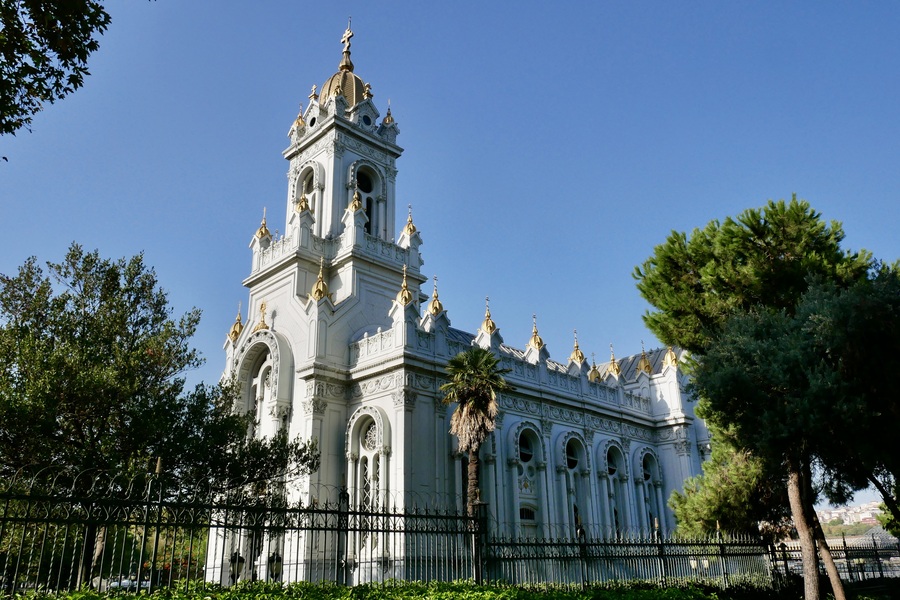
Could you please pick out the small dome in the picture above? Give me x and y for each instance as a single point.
(346, 84)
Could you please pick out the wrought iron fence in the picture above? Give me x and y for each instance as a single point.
(137, 535)
(857, 559)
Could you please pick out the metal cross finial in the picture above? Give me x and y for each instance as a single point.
(345, 39)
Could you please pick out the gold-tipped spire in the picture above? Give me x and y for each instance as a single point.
(404, 296)
(535, 342)
(435, 307)
(670, 359)
(613, 365)
(356, 204)
(594, 373)
(410, 228)
(577, 355)
(644, 363)
(302, 204)
(346, 63)
(238, 326)
(263, 231)
(320, 288)
(488, 325)
(262, 319)
(388, 118)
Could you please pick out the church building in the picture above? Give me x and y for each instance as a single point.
(347, 342)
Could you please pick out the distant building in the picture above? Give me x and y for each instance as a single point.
(342, 344)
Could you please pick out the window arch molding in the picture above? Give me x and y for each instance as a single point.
(562, 446)
(603, 457)
(358, 420)
(380, 188)
(515, 435)
(303, 171)
(259, 343)
(656, 467)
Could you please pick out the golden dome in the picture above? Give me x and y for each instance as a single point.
(488, 325)
(613, 365)
(644, 363)
(670, 360)
(404, 296)
(263, 231)
(577, 355)
(594, 373)
(410, 228)
(320, 288)
(345, 83)
(435, 307)
(237, 328)
(535, 342)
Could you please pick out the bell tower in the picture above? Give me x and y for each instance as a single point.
(339, 149)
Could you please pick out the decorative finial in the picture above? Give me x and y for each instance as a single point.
(410, 228)
(262, 318)
(388, 119)
(263, 231)
(594, 373)
(644, 362)
(313, 95)
(488, 325)
(237, 327)
(320, 288)
(404, 296)
(670, 360)
(357, 200)
(535, 342)
(613, 365)
(367, 92)
(302, 204)
(577, 355)
(346, 64)
(435, 307)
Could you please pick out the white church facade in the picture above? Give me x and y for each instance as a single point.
(344, 345)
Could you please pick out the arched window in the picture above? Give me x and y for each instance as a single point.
(574, 490)
(368, 184)
(617, 507)
(652, 493)
(528, 480)
(262, 393)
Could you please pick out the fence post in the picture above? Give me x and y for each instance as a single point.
(479, 533)
(847, 558)
(877, 558)
(724, 561)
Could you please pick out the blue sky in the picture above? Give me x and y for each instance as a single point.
(548, 146)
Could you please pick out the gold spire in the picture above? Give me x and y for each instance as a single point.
(594, 373)
(302, 204)
(435, 307)
(613, 365)
(388, 118)
(320, 288)
(410, 228)
(644, 363)
(670, 359)
(300, 122)
(346, 63)
(535, 342)
(357, 201)
(237, 328)
(262, 318)
(488, 325)
(263, 231)
(404, 296)
(577, 355)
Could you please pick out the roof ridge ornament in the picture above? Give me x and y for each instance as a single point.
(263, 231)
(577, 355)
(435, 307)
(535, 342)
(644, 363)
(410, 229)
(594, 373)
(320, 288)
(404, 296)
(388, 118)
(237, 327)
(488, 325)
(671, 359)
(613, 365)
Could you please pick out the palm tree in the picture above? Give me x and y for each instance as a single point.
(475, 380)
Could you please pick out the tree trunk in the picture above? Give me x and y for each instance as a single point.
(804, 533)
(472, 493)
(837, 586)
(889, 500)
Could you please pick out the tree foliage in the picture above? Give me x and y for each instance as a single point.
(92, 370)
(733, 494)
(738, 295)
(44, 45)
(475, 380)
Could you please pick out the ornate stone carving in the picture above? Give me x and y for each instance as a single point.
(315, 406)
(405, 398)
